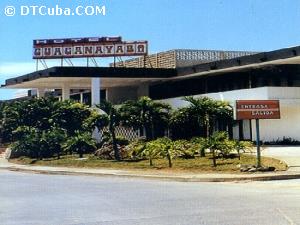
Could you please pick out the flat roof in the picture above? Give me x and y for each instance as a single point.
(289, 55)
(90, 72)
(121, 76)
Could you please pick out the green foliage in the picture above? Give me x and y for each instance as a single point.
(243, 146)
(113, 120)
(199, 117)
(121, 140)
(80, 143)
(185, 149)
(96, 120)
(71, 116)
(201, 144)
(219, 143)
(153, 149)
(184, 124)
(51, 142)
(38, 127)
(162, 148)
(136, 149)
(28, 143)
(37, 144)
(283, 141)
(145, 114)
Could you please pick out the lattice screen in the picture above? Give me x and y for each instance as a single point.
(126, 132)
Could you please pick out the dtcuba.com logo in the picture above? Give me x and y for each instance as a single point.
(41, 10)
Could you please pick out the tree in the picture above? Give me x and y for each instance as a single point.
(27, 144)
(51, 142)
(113, 119)
(145, 114)
(161, 147)
(207, 111)
(202, 144)
(219, 142)
(40, 126)
(184, 124)
(71, 116)
(243, 146)
(80, 143)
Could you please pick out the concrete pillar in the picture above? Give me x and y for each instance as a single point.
(81, 97)
(65, 92)
(95, 91)
(95, 94)
(41, 92)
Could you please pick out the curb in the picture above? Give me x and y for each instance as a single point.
(162, 177)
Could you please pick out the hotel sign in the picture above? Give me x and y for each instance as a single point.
(87, 47)
(257, 109)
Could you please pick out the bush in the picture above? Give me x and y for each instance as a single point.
(201, 144)
(219, 144)
(162, 148)
(283, 141)
(37, 144)
(80, 143)
(135, 149)
(121, 140)
(185, 149)
(184, 124)
(243, 146)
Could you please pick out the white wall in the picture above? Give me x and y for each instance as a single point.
(287, 126)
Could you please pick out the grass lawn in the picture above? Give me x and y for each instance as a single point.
(196, 165)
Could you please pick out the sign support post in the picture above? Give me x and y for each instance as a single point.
(258, 144)
(257, 109)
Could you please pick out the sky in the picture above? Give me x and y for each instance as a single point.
(252, 25)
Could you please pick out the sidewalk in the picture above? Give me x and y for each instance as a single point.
(183, 177)
(289, 154)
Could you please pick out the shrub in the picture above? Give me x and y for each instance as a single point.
(162, 147)
(81, 143)
(135, 149)
(37, 144)
(201, 144)
(220, 144)
(185, 149)
(28, 143)
(243, 146)
(121, 140)
(283, 141)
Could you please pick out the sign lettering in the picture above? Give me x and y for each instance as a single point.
(87, 47)
(257, 109)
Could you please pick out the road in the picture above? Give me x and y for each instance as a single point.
(37, 199)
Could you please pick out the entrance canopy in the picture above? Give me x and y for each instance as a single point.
(80, 77)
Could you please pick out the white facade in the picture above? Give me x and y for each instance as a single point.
(289, 124)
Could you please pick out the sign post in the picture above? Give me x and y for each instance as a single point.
(257, 109)
(258, 144)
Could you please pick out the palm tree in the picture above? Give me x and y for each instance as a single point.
(113, 117)
(207, 111)
(145, 114)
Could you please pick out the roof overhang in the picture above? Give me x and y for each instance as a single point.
(244, 63)
(80, 77)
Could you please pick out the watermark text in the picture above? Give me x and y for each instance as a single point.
(42, 10)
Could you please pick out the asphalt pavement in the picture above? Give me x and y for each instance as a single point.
(33, 199)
